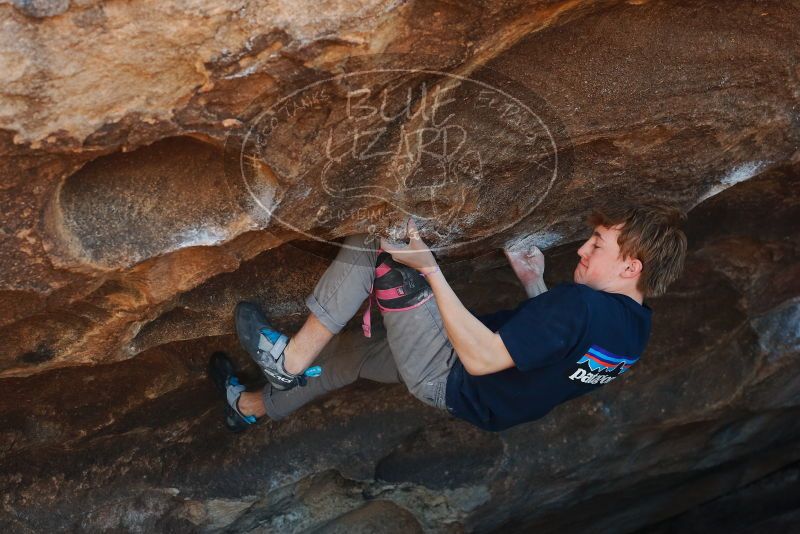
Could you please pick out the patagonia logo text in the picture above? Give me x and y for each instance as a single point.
(599, 366)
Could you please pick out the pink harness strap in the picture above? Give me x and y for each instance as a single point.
(392, 293)
(381, 269)
(366, 321)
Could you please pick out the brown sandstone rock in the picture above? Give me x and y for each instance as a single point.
(129, 229)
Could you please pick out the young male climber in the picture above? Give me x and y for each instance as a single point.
(495, 371)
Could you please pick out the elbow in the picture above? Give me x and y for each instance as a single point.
(486, 359)
(476, 368)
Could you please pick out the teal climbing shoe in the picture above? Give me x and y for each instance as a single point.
(223, 373)
(265, 345)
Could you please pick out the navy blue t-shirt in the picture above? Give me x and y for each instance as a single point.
(565, 342)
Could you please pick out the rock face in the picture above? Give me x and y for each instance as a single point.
(162, 162)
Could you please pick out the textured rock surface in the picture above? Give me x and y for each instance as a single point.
(126, 239)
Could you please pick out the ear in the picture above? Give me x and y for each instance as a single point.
(633, 268)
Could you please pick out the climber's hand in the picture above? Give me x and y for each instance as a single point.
(416, 254)
(527, 263)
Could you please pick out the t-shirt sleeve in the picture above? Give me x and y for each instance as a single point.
(545, 329)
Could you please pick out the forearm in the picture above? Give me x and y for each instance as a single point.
(480, 350)
(534, 288)
(473, 342)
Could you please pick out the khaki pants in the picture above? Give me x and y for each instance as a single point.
(413, 349)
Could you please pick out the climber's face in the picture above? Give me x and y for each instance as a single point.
(600, 266)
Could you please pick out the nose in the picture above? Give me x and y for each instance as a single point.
(582, 252)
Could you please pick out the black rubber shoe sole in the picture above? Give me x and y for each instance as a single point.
(249, 319)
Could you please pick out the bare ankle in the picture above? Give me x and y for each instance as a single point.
(306, 345)
(289, 359)
(252, 403)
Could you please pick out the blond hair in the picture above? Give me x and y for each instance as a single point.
(650, 233)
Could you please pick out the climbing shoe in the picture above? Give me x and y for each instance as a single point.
(266, 346)
(223, 373)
